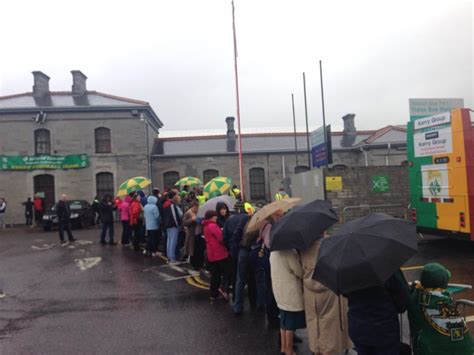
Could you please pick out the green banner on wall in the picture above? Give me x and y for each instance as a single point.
(44, 162)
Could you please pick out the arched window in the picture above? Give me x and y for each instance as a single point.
(170, 178)
(42, 142)
(301, 169)
(257, 183)
(43, 186)
(209, 174)
(102, 140)
(104, 184)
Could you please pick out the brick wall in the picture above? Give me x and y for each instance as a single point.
(357, 190)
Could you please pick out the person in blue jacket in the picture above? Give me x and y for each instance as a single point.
(152, 223)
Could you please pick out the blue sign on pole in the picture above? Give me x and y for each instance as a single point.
(321, 151)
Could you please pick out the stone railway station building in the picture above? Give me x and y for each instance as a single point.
(269, 158)
(115, 138)
(108, 131)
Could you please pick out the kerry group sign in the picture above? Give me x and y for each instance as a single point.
(433, 135)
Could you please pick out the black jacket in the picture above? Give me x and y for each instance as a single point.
(373, 312)
(63, 211)
(28, 207)
(106, 212)
(172, 218)
(233, 232)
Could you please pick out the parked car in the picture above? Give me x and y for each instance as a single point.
(82, 215)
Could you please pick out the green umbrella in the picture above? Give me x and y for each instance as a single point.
(217, 186)
(132, 185)
(188, 180)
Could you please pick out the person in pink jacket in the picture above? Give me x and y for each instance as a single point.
(124, 210)
(219, 263)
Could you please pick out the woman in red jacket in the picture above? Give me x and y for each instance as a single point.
(218, 258)
(136, 221)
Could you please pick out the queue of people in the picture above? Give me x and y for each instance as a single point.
(289, 283)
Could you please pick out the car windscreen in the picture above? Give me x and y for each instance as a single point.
(75, 205)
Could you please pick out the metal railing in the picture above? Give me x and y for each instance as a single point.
(352, 212)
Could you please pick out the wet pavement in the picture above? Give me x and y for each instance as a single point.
(88, 298)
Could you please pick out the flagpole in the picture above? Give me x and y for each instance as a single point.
(294, 126)
(241, 165)
(324, 111)
(306, 116)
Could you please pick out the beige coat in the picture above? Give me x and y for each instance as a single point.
(287, 280)
(326, 313)
(191, 229)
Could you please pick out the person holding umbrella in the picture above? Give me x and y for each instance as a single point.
(362, 261)
(287, 284)
(326, 314)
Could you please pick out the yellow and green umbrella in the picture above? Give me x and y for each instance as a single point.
(189, 180)
(217, 186)
(132, 185)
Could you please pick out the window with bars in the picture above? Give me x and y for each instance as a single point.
(42, 142)
(257, 183)
(209, 174)
(102, 140)
(170, 178)
(104, 184)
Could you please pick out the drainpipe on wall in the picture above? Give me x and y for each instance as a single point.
(283, 166)
(365, 155)
(388, 153)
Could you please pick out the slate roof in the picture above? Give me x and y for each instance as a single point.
(189, 145)
(59, 100)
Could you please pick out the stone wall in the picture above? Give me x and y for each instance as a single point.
(357, 189)
(72, 133)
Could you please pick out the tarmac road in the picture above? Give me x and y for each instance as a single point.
(87, 298)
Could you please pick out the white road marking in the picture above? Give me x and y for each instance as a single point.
(71, 247)
(44, 247)
(2, 295)
(88, 263)
(83, 242)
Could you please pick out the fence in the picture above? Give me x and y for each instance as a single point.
(353, 212)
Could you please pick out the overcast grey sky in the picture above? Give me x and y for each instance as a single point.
(178, 55)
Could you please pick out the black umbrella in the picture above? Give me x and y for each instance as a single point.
(365, 252)
(302, 226)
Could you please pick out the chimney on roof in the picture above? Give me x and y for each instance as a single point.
(231, 137)
(350, 132)
(79, 86)
(41, 84)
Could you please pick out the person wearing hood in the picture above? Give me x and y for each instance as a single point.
(218, 258)
(106, 214)
(436, 325)
(124, 211)
(152, 222)
(374, 327)
(222, 214)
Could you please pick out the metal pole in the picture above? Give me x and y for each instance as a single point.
(294, 125)
(237, 96)
(306, 116)
(324, 113)
(148, 156)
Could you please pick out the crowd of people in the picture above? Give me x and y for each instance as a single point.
(279, 283)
